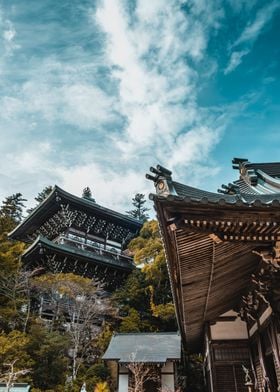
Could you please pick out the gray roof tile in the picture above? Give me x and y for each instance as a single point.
(144, 347)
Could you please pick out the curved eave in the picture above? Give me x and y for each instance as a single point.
(44, 243)
(181, 253)
(52, 204)
(243, 202)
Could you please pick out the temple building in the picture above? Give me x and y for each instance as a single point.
(72, 234)
(223, 255)
(148, 358)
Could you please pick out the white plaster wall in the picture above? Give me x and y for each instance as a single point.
(167, 368)
(123, 383)
(167, 381)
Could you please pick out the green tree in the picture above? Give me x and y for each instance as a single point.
(147, 290)
(41, 197)
(140, 211)
(13, 350)
(12, 208)
(49, 350)
(13, 284)
(132, 322)
(76, 302)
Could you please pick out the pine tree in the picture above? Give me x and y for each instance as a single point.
(12, 208)
(139, 212)
(43, 194)
(41, 197)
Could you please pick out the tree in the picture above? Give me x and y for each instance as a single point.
(147, 291)
(41, 197)
(43, 194)
(49, 350)
(139, 212)
(141, 373)
(12, 208)
(131, 323)
(77, 304)
(13, 285)
(12, 375)
(14, 356)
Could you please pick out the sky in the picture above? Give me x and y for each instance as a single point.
(94, 92)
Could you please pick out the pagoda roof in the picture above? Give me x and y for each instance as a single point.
(64, 258)
(144, 347)
(211, 241)
(61, 202)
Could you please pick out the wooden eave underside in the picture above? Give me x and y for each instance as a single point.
(208, 277)
(60, 259)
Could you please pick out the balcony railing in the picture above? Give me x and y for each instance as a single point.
(114, 255)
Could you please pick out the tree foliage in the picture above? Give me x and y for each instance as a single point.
(140, 211)
(41, 197)
(145, 299)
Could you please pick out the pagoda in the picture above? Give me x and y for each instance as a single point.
(223, 256)
(72, 234)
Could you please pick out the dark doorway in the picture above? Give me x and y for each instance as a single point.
(151, 386)
(271, 373)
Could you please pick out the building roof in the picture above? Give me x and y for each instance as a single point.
(144, 347)
(106, 267)
(18, 387)
(211, 241)
(60, 208)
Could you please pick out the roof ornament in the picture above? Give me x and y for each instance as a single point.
(162, 180)
(248, 174)
(237, 163)
(229, 189)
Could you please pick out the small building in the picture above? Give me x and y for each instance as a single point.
(158, 351)
(223, 256)
(17, 387)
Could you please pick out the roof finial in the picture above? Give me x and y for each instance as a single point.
(162, 180)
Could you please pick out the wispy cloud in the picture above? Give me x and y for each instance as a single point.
(95, 93)
(111, 111)
(153, 52)
(235, 60)
(250, 34)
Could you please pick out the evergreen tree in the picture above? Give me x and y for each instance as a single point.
(139, 212)
(43, 194)
(12, 208)
(147, 291)
(49, 352)
(41, 197)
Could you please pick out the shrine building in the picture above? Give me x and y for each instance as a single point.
(75, 234)
(223, 255)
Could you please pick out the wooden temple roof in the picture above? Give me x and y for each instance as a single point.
(211, 241)
(62, 209)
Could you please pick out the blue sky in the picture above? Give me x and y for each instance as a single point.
(93, 92)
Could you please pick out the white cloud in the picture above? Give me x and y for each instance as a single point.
(249, 35)
(136, 98)
(235, 60)
(150, 53)
(254, 29)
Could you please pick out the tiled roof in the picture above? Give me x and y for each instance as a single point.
(17, 388)
(52, 204)
(144, 347)
(261, 195)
